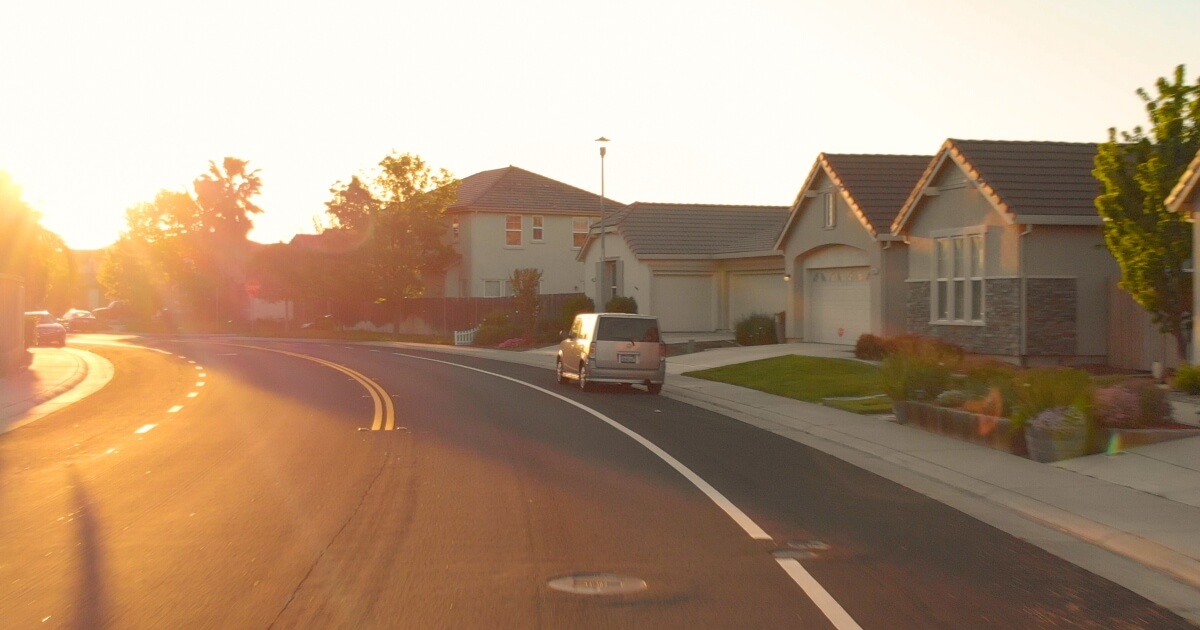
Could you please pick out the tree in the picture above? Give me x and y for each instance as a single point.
(29, 250)
(526, 286)
(226, 196)
(18, 222)
(1138, 170)
(410, 252)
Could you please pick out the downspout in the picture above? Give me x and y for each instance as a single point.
(1023, 341)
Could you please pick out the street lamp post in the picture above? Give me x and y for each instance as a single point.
(604, 284)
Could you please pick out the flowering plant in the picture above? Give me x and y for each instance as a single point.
(1060, 422)
(1118, 407)
(516, 342)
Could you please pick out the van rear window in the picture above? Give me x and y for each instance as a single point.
(627, 328)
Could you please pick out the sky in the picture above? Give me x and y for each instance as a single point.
(104, 104)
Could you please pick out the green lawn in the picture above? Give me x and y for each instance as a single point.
(811, 379)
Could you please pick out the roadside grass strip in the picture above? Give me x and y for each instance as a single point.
(841, 383)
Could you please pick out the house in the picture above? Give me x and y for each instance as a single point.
(845, 267)
(510, 218)
(1185, 197)
(1005, 252)
(699, 268)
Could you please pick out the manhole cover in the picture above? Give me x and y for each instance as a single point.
(793, 554)
(597, 584)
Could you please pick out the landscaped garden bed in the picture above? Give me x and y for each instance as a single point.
(1046, 414)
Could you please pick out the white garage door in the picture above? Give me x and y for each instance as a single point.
(751, 294)
(839, 301)
(683, 303)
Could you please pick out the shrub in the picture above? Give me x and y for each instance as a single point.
(913, 376)
(621, 304)
(1117, 407)
(496, 328)
(870, 348)
(1039, 389)
(952, 398)
(755, 330)
(1187, 379)
(1060, 422)
(1153, 406)
(917, 344)
(574, 306)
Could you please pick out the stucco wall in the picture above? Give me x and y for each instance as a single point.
(1078, 253)
(807, 238)
(485, 256)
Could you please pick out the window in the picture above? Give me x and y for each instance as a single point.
(539, 228)
(830, 211)
(958, 280)
(454, 227)
(579, 231)
(496, 288)
(512, 230)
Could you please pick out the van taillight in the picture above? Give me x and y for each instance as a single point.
(592, 349)
(662, 349)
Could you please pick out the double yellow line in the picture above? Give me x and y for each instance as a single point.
(385, 411)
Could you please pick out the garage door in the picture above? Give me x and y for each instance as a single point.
(755, 293)
(683, 303)
(839, 301)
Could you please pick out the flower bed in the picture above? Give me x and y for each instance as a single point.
(995, 432)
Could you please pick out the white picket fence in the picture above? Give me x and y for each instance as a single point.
(465, 337)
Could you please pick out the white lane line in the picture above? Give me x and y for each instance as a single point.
(191, 361)
(817, 593)
(198, 367)
(202, 375)
(199, 383)
(175, 409)
(123, 345)
(144, 429)
(725, 504)
(193, 394)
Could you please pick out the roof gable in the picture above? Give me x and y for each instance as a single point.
(873, 186)
(1027, 182)
(699, 229)
(1186, 189)
(512, 188)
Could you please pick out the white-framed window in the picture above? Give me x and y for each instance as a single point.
(497, 288)
(958, 291)
(512, 230)
(539, 229)
(579, 231)
(454, 228)
(830, 210)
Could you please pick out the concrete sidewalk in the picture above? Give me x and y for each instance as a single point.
(1133, 518)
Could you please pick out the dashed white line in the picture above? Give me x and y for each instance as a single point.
(199, 383)
(198, 367)
(145, 429)
(193, 394)
(175, 409)
(191, 361)
(202, 375)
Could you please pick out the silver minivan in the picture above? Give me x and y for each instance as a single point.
(613, 348)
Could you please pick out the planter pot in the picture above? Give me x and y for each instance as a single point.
(1052, 446)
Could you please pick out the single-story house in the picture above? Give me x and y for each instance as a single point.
(845, 267)
(699, 268)
(1005, 251)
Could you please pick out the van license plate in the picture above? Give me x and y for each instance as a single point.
(628, 358)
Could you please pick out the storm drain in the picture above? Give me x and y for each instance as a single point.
(597, 584)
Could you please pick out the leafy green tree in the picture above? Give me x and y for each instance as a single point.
(226, 195)
(1138, 170)
(410, 253)
(526, 286)
(29, 250)
(18, 223)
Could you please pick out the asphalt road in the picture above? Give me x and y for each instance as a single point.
(336, 486)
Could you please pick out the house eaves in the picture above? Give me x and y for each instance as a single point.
(1186, 188)
(1048, 183)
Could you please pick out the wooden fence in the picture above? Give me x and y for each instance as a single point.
(431, 316)
(1134, 342)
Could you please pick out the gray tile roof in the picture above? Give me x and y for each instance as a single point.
(512, 189)
(699, 229)
(877, 185)
(1049, 180)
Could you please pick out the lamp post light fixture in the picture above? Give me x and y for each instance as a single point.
(604, 282)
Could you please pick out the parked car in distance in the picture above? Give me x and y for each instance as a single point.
(613, 348)
(115, 311)
(44, 330)
(78, 320)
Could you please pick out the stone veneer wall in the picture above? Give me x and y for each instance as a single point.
(1001, 333)
(1053, 304)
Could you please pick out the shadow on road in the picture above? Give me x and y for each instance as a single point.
(90, 598)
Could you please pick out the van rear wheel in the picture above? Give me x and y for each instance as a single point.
(654, 388)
